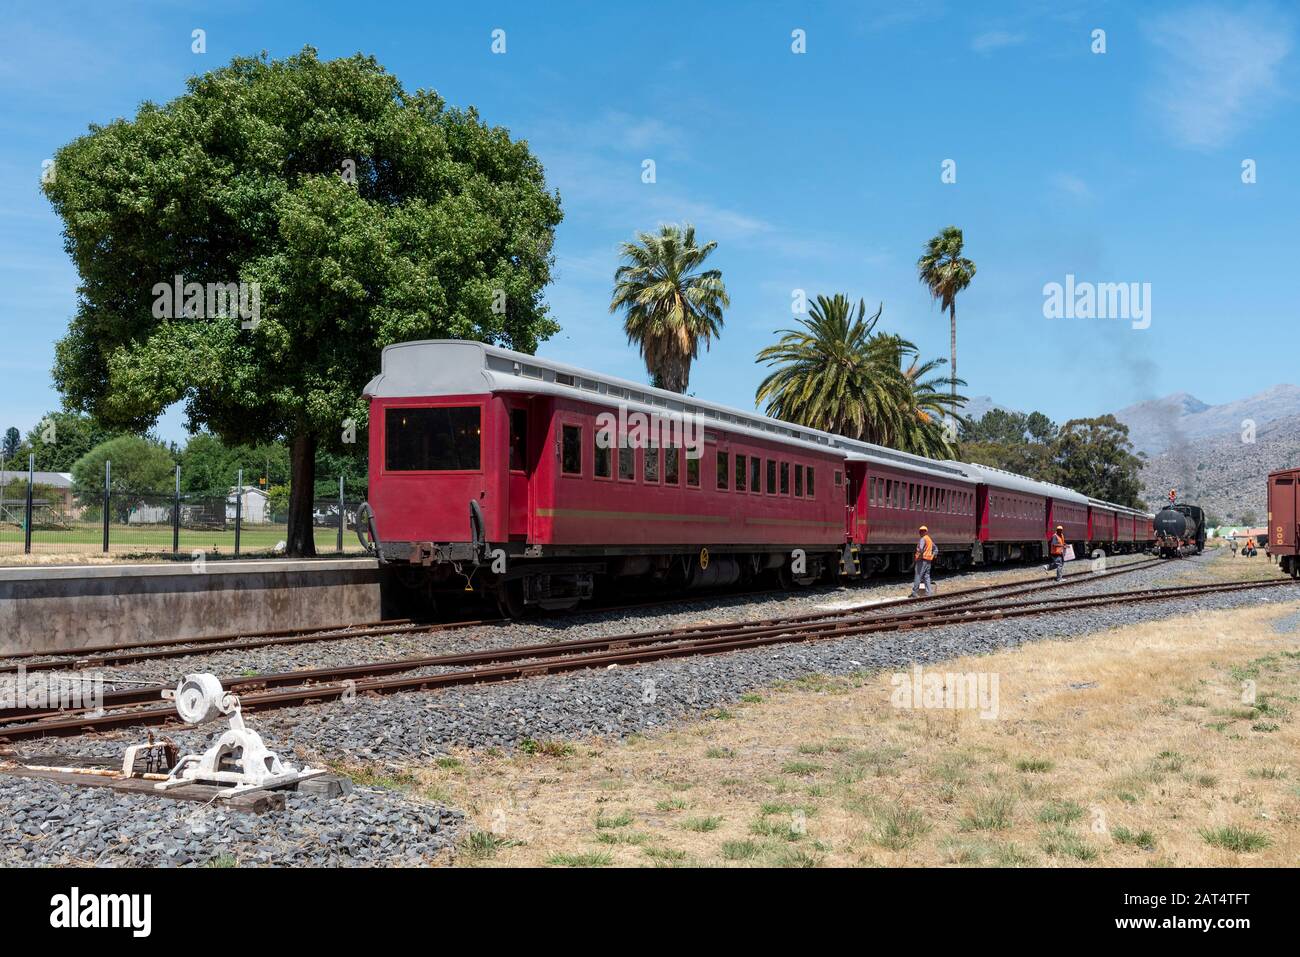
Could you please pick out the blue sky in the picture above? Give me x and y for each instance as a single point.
(818, 171)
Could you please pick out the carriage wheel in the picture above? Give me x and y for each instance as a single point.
(510, 599)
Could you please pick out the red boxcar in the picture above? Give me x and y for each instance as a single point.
(1284, 519)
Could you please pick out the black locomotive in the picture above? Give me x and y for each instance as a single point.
(1180, 530)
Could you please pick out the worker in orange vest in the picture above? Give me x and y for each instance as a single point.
(921, 562)
(1056, 548)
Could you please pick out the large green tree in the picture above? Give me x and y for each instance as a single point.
(1015, 441)
(60, 438)
(944, 271)
(1095, 457)
(839, 374)
(361, 214)
(670, 304)
(139, 466)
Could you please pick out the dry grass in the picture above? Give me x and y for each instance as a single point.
(1132, 747)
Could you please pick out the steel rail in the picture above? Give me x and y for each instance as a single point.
(150, 691)
(76, 660)
(616, 653)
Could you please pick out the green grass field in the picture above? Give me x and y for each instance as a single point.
(87, 538)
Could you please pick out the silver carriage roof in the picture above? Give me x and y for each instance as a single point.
(1019, 483)
(465, 366)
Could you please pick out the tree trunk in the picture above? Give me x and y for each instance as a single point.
(952, 337)
(301, 542)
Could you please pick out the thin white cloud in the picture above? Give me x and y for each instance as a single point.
(1074, 185)
(1218, 69)
(993, 40)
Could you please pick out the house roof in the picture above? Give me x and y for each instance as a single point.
(248, 490)
(54, 479)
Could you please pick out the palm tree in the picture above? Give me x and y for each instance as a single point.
(945, 272)
(670, 306)
(840, 375)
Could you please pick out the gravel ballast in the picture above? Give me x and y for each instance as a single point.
(44, 823)
(382, 827)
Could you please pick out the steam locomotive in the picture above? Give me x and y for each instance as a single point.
(1180, 530)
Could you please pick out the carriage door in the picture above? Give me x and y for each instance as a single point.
(520, 463)
(1282, 517)
(848, 503)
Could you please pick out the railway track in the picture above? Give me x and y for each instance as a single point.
(159, 649)
(242, 684)
(297, 688)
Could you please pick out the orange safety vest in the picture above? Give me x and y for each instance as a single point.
(925, 550)
(1058, 544)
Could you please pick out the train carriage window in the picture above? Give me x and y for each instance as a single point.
(626, 462)
(755, 474)
(672, 458)
(518, 440)
(771, 476)
(810, 482)
(603, 459)
(740, 472)
(442, 439)
(692, 470)
(785, 478)
(571, 450)
(798, 480)
(722, 471)
(650, 464)
(838, 478)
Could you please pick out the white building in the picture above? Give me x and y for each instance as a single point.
(255, 508)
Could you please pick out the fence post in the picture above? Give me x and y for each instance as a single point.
(108, 478)
(239, 507)
(340, 545)
(176, 515)
(27, 522)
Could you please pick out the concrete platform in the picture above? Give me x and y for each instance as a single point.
(71, 606)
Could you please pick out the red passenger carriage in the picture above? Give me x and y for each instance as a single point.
(530, 481)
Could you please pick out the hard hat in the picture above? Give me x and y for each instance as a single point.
(1060, 528)
(925, 528)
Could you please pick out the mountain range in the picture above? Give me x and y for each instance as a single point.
(1215, 455)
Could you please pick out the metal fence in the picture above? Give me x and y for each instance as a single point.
(40, 519)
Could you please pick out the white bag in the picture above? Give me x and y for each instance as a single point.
(1069, 553)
